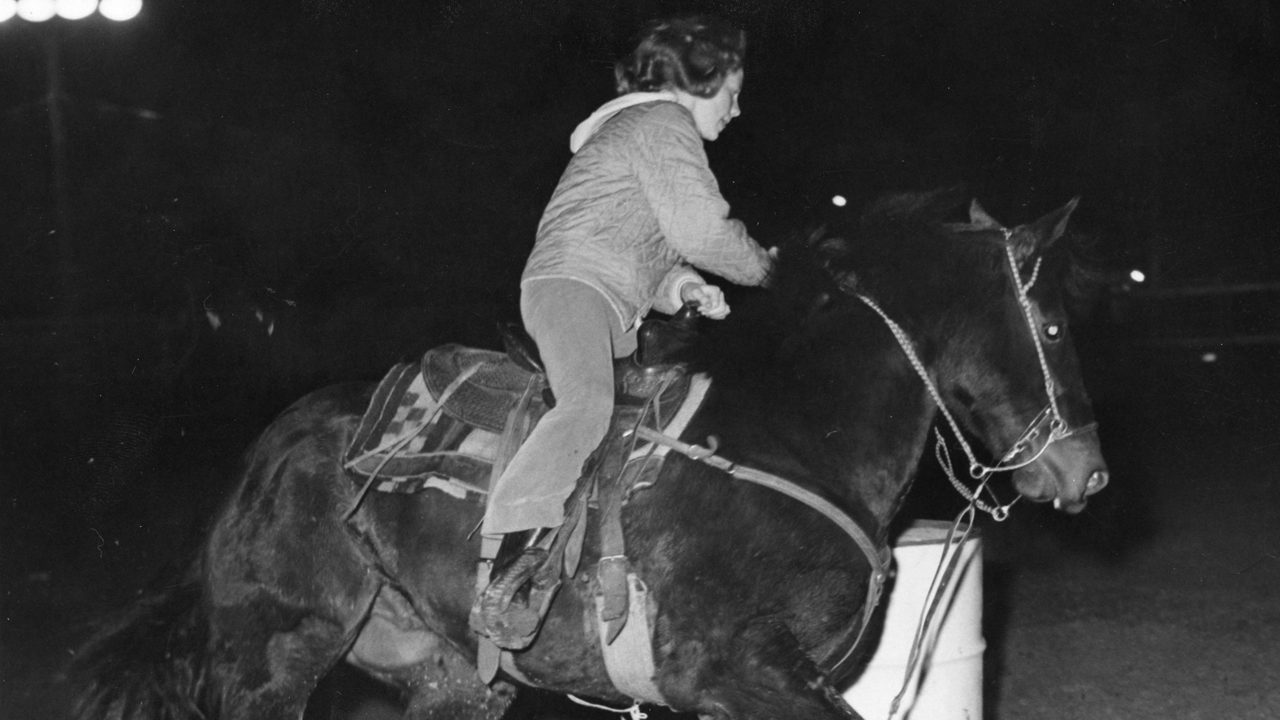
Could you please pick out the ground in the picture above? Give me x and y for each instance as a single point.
(1184, 620)
(1161, 601)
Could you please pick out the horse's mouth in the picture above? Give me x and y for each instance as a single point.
(1070, 508)
(1068, 505)
(1045, 482)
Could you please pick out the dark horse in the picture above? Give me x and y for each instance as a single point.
(752, 595)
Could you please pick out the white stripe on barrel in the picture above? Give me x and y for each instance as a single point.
(951, 660)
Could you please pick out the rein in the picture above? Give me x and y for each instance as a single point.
(1058, 430)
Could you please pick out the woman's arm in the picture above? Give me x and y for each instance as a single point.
(693, 216)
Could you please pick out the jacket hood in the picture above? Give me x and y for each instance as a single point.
(588, 127)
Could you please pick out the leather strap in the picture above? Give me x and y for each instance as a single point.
(628, 656)
(613, 569)
(879, 559)
(517, 427)
(614, 479)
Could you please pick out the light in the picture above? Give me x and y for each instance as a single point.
(35, 10)
(75, 9)
(120, 10)
(42, 10)
(839, 201)
(1137, 276)
(1209, 357)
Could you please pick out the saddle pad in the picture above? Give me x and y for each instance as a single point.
(395, 442)
(488, 395)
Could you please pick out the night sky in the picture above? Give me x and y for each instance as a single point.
(328, 149)
(342, 184)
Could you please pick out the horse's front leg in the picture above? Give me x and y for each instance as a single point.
(764, 675)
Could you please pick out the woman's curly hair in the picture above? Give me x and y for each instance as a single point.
(694, 54)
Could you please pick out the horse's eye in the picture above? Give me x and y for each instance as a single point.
(1052, 332)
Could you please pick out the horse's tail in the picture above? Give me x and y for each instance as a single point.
(151, 662)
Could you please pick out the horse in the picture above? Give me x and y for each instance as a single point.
(830, 379)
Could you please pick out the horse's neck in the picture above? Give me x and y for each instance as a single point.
(882, 436)
(855, 427)
(881, 467)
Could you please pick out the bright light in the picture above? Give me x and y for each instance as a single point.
(839, 201)
(8, 8)
(75, 9)
(120, 9)
(1137, 276)
(1209, 357)
(35, 10)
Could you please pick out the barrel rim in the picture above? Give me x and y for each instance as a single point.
(930, 532)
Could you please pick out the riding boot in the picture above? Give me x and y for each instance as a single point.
(510, 610)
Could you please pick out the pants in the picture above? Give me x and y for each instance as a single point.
(578, 336)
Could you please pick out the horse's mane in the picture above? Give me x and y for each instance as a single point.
(904, 251)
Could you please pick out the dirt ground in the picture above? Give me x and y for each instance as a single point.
(1180, 619)
(1161, 601)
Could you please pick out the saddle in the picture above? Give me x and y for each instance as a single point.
(452, 421)
(435, 424)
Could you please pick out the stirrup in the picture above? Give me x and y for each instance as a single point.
(510, 623)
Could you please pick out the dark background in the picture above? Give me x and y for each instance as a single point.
(233, 203)
(368, 180)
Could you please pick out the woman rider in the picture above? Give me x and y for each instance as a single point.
(636, 210)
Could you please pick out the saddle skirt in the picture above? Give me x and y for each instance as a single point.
(437, 424)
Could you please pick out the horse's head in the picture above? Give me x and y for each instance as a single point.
(981, 308)
(1012, 372)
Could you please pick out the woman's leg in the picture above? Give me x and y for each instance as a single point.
(575, 328)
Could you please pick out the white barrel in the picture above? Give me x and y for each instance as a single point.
(951, 657)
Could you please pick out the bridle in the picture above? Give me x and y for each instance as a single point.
(1049, 418)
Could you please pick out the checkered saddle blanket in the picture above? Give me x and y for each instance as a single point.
(437, 423)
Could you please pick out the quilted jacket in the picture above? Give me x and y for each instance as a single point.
(637, 206)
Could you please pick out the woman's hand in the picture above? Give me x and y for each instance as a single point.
(708, 298)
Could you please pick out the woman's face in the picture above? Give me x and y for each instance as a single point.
(712, 114)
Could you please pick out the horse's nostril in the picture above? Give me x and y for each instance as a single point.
(1097, 481)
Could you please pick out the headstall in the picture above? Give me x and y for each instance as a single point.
(1050, 415)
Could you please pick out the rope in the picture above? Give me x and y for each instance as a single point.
(634, 711)
(998, 512)
(948, 562)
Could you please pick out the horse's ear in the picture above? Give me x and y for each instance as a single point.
(980, 220)
(1041, 234)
